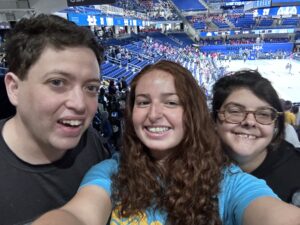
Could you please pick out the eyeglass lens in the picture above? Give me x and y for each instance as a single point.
(236, 114)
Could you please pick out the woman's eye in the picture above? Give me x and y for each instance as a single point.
(234, 110)
(172, 103)
(142, 103)
(264, 114)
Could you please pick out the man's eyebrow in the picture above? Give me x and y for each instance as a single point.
(69, 75)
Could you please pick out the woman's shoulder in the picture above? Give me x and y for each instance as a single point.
(103, 170)
(285, 150)
(235, 181)
(238, 189)
(100, 174)
(108, 164)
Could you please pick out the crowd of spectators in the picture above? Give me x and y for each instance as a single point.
(108, 119)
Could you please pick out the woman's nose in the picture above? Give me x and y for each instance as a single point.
(155, 111)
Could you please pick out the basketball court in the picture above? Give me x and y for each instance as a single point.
(286, 83)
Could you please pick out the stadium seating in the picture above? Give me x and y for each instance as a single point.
(189, 5)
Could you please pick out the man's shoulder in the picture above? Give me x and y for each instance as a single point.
(2, 142)
(2, 122)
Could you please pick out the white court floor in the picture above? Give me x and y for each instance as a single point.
(287, 85)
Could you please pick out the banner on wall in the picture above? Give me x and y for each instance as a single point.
(266, 47)
(277, 11)
(96, 20)
(255, 31)
(285, 2)
(89, 2)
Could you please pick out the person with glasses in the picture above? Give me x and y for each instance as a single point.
(250, 121)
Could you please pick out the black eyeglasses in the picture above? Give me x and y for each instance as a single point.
(234, 113)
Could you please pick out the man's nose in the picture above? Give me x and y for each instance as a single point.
(76, 100)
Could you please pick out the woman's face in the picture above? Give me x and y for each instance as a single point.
(247, 140)
(157, 113)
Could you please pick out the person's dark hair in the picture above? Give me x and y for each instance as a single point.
(295, 109)
(287, 105)
(186, 184)
(259, 86)
(111, 83)
(30, 36)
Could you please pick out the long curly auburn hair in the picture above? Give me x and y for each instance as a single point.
(186, 184)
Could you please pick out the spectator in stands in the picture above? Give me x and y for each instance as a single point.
(115, 117)
(122, 84)
(288, 115)
(291, 136)
(47, 147)
(3, 62)
(112, 94)
(102, 100)
(295, 111)
(171, 169)
(250, 122)
(112, 90)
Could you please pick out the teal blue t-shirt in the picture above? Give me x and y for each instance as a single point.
(238, 190)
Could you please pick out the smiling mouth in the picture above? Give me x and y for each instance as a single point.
(246, 136)
(70, 123)
(157, 129)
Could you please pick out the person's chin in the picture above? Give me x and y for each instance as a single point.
(67, 143)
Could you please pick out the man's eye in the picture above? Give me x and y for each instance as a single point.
(57, 82)
(93, 88)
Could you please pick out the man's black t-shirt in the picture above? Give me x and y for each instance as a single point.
(27, 191)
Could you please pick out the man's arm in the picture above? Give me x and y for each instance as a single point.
(271, 211)
(90, 206)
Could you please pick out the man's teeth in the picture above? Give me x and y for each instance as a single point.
(247, 136)
(71, 122)
(157, 129)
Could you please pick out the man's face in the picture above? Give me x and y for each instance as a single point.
(58, 99)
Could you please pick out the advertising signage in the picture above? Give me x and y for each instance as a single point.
(256, 31)
(89, 2)
(96, 20)
(285, 2)
(277, 11)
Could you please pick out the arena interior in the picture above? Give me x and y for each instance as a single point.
(209, 37)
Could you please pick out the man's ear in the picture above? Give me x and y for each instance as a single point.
(12, 87)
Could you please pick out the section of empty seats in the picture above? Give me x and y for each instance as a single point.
(107, 71)
(189, 5)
